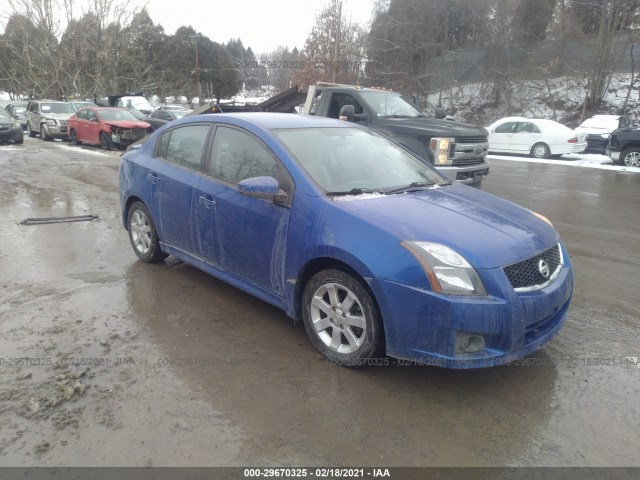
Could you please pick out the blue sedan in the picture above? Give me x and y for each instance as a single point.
(375, 251)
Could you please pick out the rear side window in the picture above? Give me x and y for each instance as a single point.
(236, 156)
(184, 146)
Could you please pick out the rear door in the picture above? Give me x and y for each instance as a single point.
(173, 174)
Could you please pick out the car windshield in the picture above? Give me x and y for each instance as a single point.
(18, 110)
(389, 104)
(180, 113)
(57, 108)
(356, 160)
(116, 115)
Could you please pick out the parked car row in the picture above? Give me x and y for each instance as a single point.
(611, 135)
(85, 121)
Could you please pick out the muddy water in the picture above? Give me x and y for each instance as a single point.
(109, 361)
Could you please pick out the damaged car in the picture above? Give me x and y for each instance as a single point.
(108, 127)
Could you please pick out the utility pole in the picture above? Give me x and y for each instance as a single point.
(336, 54)
(198, 86)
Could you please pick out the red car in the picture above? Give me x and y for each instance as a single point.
(106, 126)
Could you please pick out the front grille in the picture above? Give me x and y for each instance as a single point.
(471, 139)
(526, 274)
(460, 162)
(4, 128)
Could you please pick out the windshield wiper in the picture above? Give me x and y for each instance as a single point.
(412, 187)
(354, 191)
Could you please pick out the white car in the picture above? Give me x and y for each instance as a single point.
(537, 137)
(598, 129)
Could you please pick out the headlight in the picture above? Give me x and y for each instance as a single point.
(448, 271)
(441, 150)
(17, 126)
(50, 121)
(542, 217)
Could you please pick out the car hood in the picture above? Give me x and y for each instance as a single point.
(488, 231)
(127, 124)
(7, 121)
(58, 116)
(435, 126)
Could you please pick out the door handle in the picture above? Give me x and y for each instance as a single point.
(152, 178)
(206, 202)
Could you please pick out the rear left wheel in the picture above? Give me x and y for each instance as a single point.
(143, 234)
(342, 319)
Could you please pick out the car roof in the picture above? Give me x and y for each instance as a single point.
(273, 120)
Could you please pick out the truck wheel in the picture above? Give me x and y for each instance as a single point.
(540, 150)
(630, 157)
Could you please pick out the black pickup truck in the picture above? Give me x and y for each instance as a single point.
(456, 149)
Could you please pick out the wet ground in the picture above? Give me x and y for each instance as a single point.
(109, 361)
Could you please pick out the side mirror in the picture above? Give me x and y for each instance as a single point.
(440, 113)
(262, 187)
(348, 113)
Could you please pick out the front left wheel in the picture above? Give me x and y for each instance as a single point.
(143, 234)
(342, 319)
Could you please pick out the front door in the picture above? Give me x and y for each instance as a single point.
(245, 235)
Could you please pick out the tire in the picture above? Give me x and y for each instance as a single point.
(30, 132)
(341, 319)
(74, 137)
(630, 157)
(20, 141)
(540, 150)
(44, 133)
(143, 234)
(105, 141)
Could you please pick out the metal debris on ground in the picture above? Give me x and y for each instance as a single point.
(39, 221)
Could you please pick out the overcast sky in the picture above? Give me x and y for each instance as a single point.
(262, 25)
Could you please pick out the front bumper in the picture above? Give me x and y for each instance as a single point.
(426, 328)
(468, 174)
(59, 131)
(613, 154)
(11, 134)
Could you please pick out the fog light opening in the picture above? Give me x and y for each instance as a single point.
(469, 343)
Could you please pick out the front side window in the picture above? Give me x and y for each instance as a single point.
(184, 146)
(506, 127)
(236, 156)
